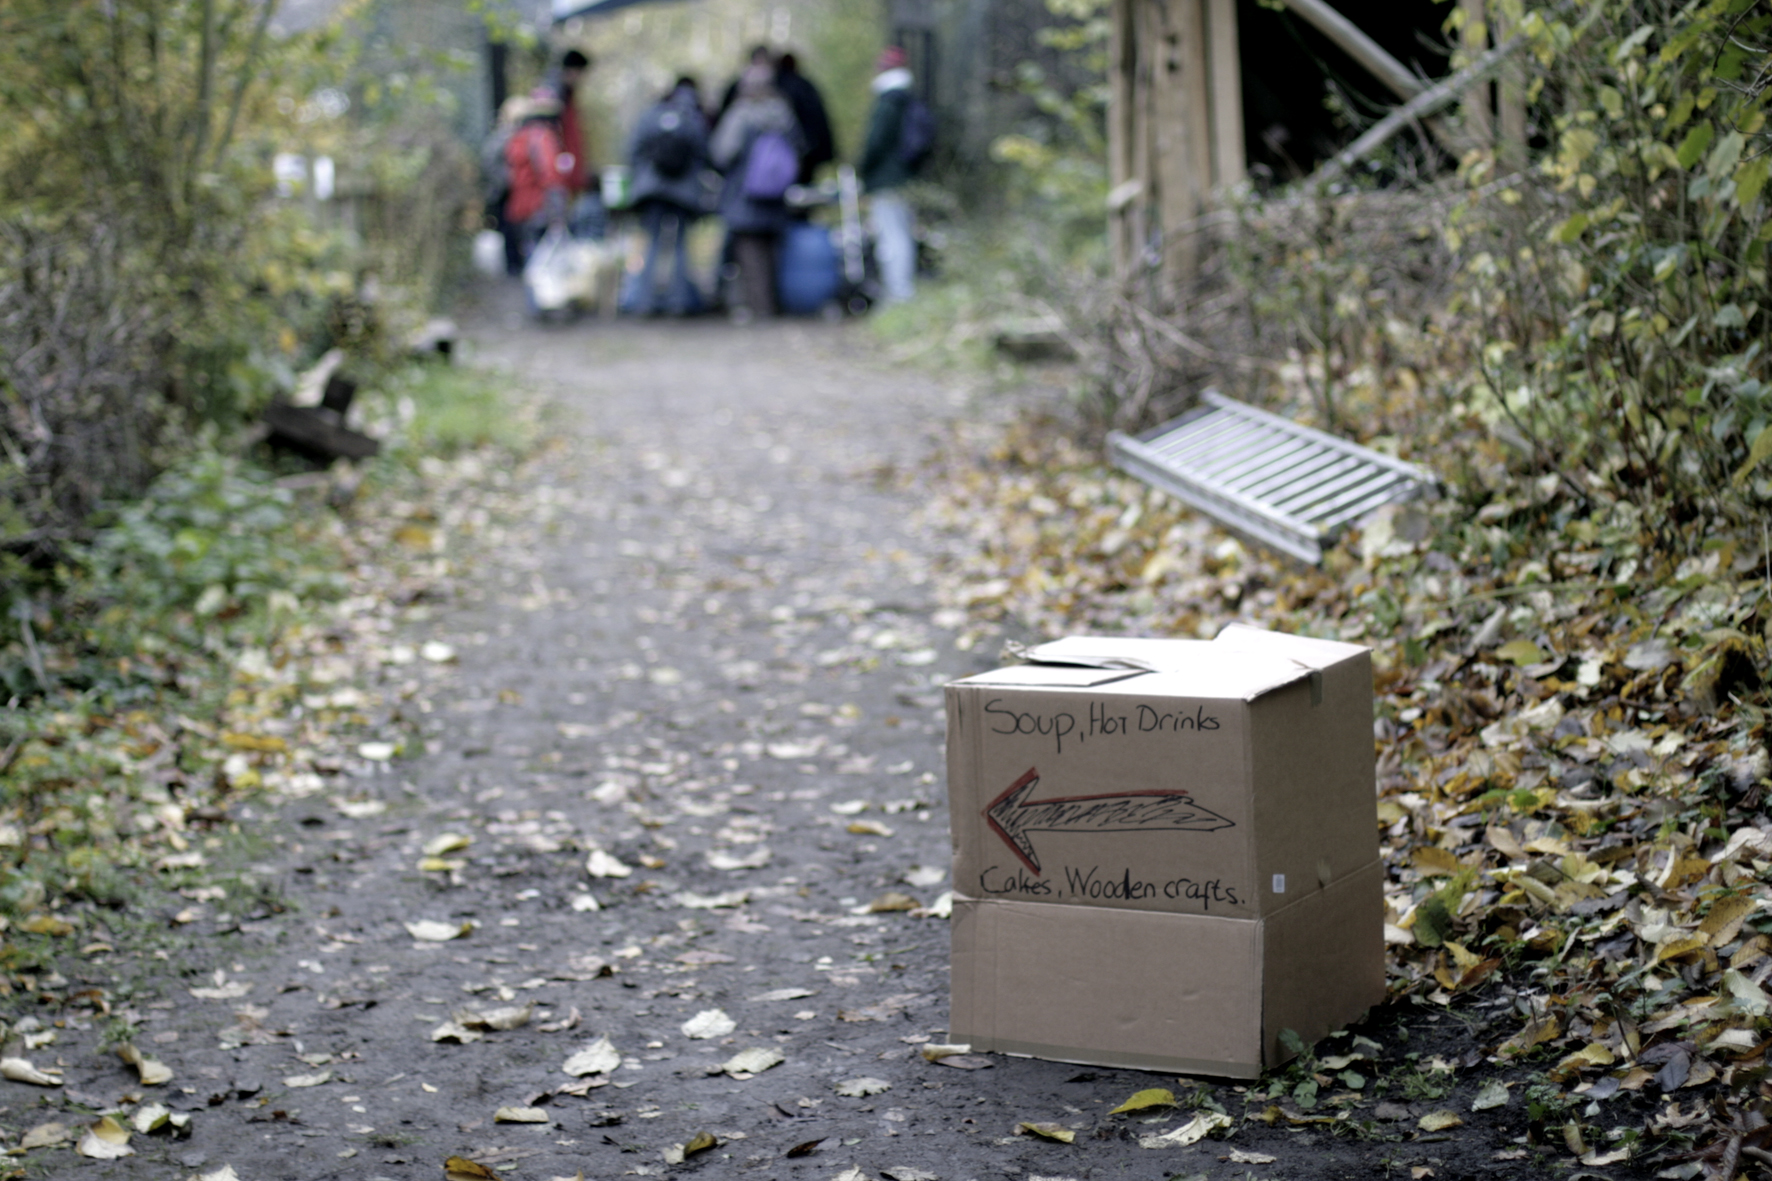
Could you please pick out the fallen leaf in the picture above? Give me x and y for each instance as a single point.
(757, 858)
(804, 1148)
(521, 1115)
(437, 652)
(378, 752)
(1521, 653)
(1239, 1157)
(453, 1031)
(860, 1088)
(1439, 1121)
(46, 1136)
(359, 809)
(20, 1070)
(966, 1062)
(936, 1051)
(105, 1140)
(700, 1142)
(435, 931)
(45, 924)
(230, 991)
(782, 994)
(891, 901)
(599, 1057)
(460, 1168)
(753, 1061)
(601, 865)
(869, 828)
(1049, 1132)
(504, 1017)
(1142, 1100)
(1597, 1158)
(298, 1081)
(1191, 1132)
(1493, 1094)
(226, 1173)
(152, 1072)
(709, 1023)
(150, 1117)
(729, 898)
(907, 1173)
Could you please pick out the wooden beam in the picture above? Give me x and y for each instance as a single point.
(1359, 46)
(1478, 126)
(1436, 97)
(1229, 165)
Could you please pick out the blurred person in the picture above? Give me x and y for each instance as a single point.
(899, 138)
(757, 146)
(495, 171)
(573, 64)
(669, 155)
(760, 57)
(809, 111)
(538, 166)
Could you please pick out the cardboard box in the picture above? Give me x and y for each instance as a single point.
(1194, 994)
(1165, 851)
(1223, 777)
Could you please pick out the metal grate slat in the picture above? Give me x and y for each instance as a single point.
(1280, 483)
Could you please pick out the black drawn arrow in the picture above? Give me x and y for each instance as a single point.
(1014, 816)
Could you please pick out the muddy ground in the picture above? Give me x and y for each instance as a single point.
(706, 645)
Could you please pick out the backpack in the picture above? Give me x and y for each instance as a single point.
(495, 170)
(673, 148)
(770, 167)
(916, 132)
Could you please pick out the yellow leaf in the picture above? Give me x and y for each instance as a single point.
(1521, 653)
(1050, 1132)
(448, 842)
(892, 901)
(45, 924)
(1724, 919)
(1439, 1121)
(152, 1072)
(1154, 1097)
(1431, 861)
(701, 1142)
(265, 743)
(460, 1168)
(1685, 945)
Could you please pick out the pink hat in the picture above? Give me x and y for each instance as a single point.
(891, 58)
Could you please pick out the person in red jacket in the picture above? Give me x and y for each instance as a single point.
(539, 169)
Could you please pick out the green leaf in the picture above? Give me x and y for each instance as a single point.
(1727, 152)
(1521, 653)
(1682, 111)
(1756, 455)
(1433, 924)
(1692, 148)
(1750, 178)
(1570, 229)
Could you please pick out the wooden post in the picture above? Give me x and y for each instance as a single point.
(1510, 102)
(1124, 177)
(1478, 126)
(1229, 164)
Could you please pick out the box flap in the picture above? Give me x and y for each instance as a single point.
(1310, 652)
(1202, 668)
(1055, 676)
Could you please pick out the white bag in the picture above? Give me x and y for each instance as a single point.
(489, 252)
(561, 272)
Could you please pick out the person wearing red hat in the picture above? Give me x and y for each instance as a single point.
(897, 143)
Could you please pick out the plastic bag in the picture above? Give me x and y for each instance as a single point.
(561, 272)
(489, 252)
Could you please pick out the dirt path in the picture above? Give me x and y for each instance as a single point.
(709, 651)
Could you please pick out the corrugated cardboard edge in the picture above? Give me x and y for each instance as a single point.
(1321, 961)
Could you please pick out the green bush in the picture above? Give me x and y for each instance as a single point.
(1620, 283)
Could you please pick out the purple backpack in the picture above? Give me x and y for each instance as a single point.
(770, 167)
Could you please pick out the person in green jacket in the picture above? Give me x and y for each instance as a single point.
(884, 170)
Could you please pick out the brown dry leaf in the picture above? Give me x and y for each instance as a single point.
(1724, 920)
(1431, 861)
(152, 1072)
(1144, 1100)
(805, 1148)
(460, 1168)
(892, 901)
(1049, 1132)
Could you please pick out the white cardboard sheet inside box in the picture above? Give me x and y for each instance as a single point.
(1223, 777)
(1165, 851)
